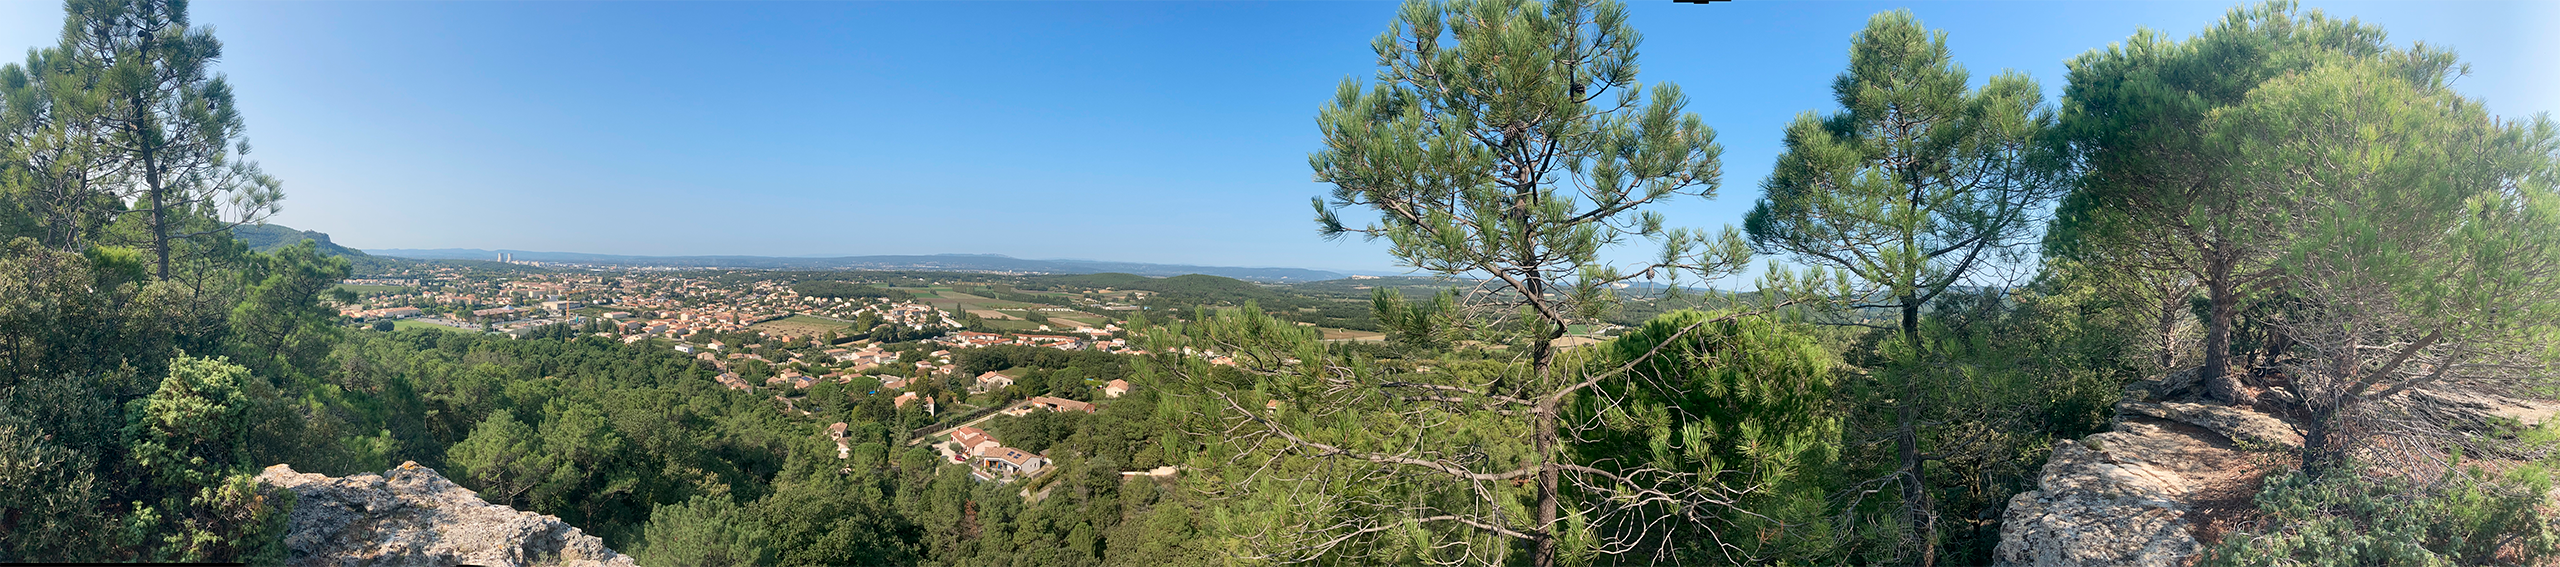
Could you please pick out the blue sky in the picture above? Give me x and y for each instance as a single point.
(1140, 131)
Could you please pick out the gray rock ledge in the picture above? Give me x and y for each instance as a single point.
(411, 516)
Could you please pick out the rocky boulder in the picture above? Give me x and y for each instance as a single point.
(2138, 494)
(2114, 498)
(409, 515)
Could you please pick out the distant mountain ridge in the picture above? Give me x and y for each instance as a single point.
(934, 262)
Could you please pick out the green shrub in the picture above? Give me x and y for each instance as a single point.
(2345, 518)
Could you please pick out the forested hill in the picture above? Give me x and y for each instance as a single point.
(267, 238)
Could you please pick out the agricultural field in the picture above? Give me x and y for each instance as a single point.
(1072, 319)
(953, 301)
(1333, 334)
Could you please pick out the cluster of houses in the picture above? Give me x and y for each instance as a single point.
(361, 314)
(690, 321)
(871, 356)
(1097, 341)
(917, 315)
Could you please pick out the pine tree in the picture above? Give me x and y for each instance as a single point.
(172, 131)
(1916, 185)
(2156, 191)
(1504, 141)
(2428, 252)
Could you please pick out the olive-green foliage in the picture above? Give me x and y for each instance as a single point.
(1424, 326)
(282, 327)
(502, 457)
(88, 318)
(2356, 518)
(594, 431)
(195, 428)
(159, 447)
(1744, 403)
(191, 438)
(1038, 431)
(822, 513)
(50, 492)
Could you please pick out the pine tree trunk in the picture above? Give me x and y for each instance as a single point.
(1541, 361)
(2168, 330)
(1915, 491)
(2219, 383)
(2317, 455)
(1545, 555)
(153, 184)
(159, 216)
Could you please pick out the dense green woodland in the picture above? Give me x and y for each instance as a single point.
(2287, 209)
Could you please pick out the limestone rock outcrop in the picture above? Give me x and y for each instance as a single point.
(2131, 496)
(2234, 423)
(2139, 494)
(410, 515)
(2114, 498)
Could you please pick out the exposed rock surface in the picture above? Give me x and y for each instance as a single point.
(409, 515)
(2134, 495)
(2138, 495)
(2236, 424)
(2114, 498)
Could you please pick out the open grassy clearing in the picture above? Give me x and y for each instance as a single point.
(993, 315)
(1077, 319)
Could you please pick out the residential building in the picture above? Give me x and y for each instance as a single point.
(1006, 462)
(992, 380)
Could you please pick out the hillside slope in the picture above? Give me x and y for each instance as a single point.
(265, 238)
